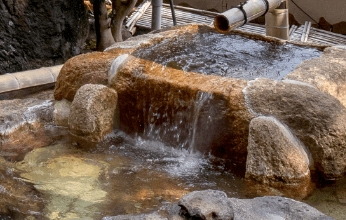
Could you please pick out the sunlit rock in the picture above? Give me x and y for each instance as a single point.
(327, 73)
(317, 119)
(276, 158)
(61, 112)
(92, 112)
(91, 68)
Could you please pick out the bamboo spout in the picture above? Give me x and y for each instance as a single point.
(243, 13)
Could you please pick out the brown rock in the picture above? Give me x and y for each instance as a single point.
(316, 118)
(173, 102)
(84, 69)
(276, 158)
(327, 73)
(92, 112)
(22, 126)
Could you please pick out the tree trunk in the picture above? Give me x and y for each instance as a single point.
(104, 36)
(122, 9)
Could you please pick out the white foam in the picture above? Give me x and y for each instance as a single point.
(115, 66)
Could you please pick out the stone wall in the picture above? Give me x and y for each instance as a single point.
(35, 33)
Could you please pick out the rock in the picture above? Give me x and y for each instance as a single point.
(341, 192)
(208, 205)
(154, 96)
(84, 69)
(327, 73)
(92, 112)
(316, 118)
(268, 207)
(151, 216)
(276, 158)
(18, 198)
(40, 33)
(273, 207)
(61, 112)
(22, 126)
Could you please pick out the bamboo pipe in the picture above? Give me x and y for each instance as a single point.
(235, 17)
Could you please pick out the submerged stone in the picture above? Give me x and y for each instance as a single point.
(66, 180)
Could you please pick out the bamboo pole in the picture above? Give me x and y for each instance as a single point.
(307, 32)
(138, 15)
(238, 16)
(209, 13)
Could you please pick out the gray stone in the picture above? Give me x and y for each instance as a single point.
(274, 208)
(208, 205)
(316, 118)
(61, 112)
(92, 112)
(152, 216)
(276, 158)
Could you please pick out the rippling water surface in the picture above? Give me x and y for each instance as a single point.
(228, 55)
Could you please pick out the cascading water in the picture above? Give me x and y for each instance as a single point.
(202, 97)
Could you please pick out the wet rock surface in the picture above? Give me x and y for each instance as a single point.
(273, 207)
(92, 111)
(22, 126)
(276, 158)
(209, 205)
(316, 118)
(327, 73)
(36, 33)
(80, 70)
(268, 207)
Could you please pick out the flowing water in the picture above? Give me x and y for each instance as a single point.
(120, 176)
(228, 55)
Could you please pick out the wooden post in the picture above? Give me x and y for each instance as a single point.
(277, 22)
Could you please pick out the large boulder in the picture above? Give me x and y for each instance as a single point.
(190, 110)
(35, 33)
(91, 68)
(22, 128)
(316, 118)
(327, 73)
(276, 158)
(92, 112)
